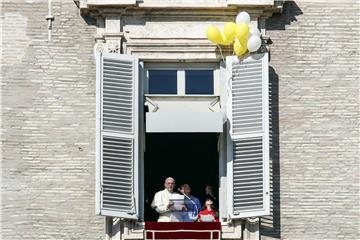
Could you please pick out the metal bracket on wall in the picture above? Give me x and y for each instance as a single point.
(49, 18)
(213, 103)
(155, 105)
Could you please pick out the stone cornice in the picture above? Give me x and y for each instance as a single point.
(160, 33)
(159, 8)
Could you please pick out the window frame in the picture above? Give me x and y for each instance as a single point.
(180, 68)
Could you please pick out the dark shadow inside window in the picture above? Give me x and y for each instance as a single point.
(190, 158)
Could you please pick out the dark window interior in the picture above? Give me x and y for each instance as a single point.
(199, 82)
(188, 157)
(162, 81)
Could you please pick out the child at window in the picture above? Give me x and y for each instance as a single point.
(209, 213)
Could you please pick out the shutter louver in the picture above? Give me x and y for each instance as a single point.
(117, 95)
(117, 173)
(117, 135)
(248, 174)
(247, 111)
(247, 97)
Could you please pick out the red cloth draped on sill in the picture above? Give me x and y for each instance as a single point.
(171, 230)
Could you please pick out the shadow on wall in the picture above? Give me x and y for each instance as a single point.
(279, 20)
(271, 225)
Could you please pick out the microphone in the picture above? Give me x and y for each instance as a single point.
(197, 210)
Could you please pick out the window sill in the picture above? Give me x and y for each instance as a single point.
(136, 231)
(182, 96)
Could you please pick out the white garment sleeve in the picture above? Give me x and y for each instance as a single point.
(159, 204)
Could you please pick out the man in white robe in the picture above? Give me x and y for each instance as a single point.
(163, 203)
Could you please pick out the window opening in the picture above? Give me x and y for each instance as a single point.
(190, 158)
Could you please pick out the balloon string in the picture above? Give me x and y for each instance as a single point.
(222, 56)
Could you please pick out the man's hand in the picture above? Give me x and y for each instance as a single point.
(171, 203)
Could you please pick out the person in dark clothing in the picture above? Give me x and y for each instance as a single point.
(209, 194)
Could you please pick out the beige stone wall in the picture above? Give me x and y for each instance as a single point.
(48, 124)
(315, 82)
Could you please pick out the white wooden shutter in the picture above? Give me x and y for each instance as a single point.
(117, 135)
(248, 144)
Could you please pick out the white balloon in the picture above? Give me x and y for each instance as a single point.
(243, 17)
(254, 31)
(253, 43)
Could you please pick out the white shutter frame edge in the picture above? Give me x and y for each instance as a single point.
(266, 137)
(229, 173)
(136, 179)
(100, 133)
(264, 134)
(137, 95)
(228, 89)
(140, 178)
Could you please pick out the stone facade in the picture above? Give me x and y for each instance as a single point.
(315, 76)
(48, 122)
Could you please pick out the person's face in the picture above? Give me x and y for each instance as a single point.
(187, 190)
(169, 185)
(208, 204)
(208, 189)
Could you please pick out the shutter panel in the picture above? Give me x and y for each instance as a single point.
(248, 145)
(117, 135)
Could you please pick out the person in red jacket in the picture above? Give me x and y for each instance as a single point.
(209, 213)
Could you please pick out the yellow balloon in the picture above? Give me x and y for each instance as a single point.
(238, 48)
(225, 40)
(230, 31)
(243, 42)
(214, 34)
(242, 32)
